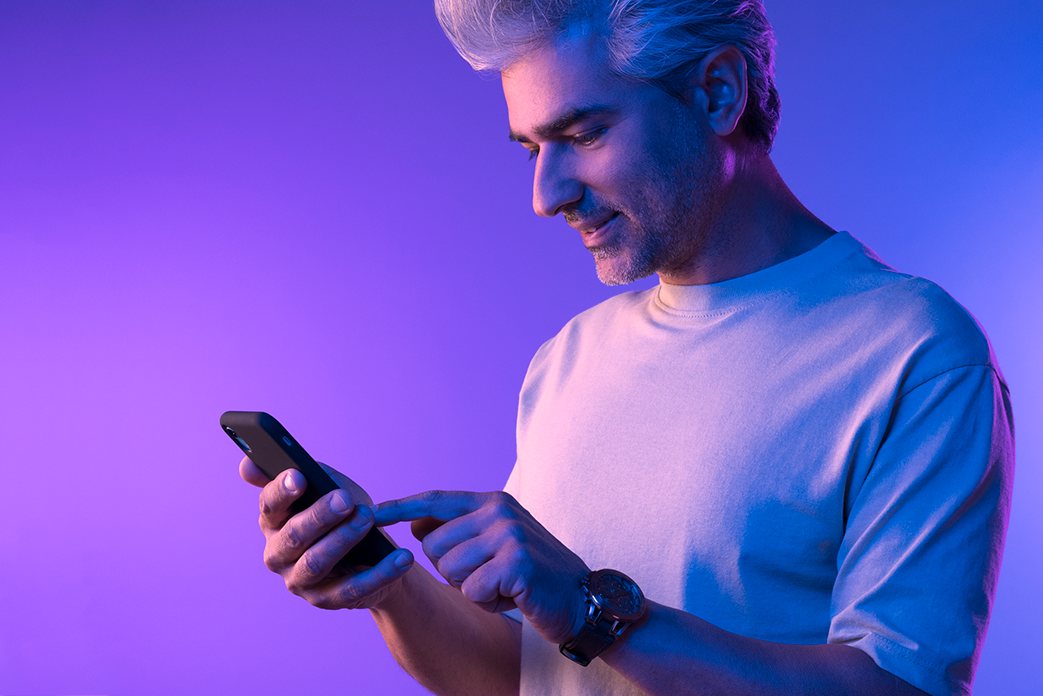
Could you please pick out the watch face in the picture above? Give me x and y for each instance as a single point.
(617, 594)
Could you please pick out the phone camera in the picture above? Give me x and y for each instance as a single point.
(238, 440)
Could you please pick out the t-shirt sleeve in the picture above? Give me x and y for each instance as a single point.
(924, 533)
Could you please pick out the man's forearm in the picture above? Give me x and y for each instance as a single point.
(673, 652)
(446, 642)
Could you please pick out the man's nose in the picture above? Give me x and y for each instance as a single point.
(555, 184)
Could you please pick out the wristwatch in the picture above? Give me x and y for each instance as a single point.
(614, 603)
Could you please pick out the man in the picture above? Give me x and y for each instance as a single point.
(801, 457)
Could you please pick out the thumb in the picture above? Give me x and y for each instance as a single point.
(251, 474)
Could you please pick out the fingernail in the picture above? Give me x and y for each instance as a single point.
(403, 560)
(289, 482)
(338, 504)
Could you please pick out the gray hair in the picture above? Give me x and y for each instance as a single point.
(656, 41)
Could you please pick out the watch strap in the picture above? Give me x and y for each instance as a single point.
(592, 640)
(601, 626)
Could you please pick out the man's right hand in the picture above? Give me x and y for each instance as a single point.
(304, 548)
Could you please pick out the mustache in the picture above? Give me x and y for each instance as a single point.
(577, 217)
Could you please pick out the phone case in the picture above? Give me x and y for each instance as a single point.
(271, 447)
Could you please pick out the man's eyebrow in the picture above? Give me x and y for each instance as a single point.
(563, 122)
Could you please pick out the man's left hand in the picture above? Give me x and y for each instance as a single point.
(498, 555)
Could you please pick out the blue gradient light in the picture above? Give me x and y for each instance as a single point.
(312, 209)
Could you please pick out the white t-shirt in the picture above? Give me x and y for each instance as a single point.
(821, 451)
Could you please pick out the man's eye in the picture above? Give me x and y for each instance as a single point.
(588, 138)
(533, 152)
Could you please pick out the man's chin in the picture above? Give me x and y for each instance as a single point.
(615, 269)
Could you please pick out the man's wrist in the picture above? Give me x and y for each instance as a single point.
(613, 604)
(397, 593)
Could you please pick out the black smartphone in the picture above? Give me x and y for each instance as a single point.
(271, 447)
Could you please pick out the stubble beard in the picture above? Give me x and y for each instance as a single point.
(661, 236)
(658, 238)
(628, 258)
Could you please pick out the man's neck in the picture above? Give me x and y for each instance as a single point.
(761, 223)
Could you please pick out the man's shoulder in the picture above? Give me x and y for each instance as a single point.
(917, 312)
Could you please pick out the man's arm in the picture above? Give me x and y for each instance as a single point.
(502, 552)
(674, 652)
(443, 640)
(451, 646)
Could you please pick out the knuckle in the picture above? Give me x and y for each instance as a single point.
(517, 555)
(502, 504)
(474, 588)
(508, 532)
(292, 537)
(515, 533)
(341, 540)
(311, 567)
(431, 549)
(323, 602)
(343, 537)
(272, 497)
(319, 514)
(270, 561)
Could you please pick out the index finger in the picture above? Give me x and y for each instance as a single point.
(441, 505)
(277, 496)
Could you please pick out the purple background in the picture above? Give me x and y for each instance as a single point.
(312, 208)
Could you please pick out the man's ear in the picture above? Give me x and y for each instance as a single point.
(718, 85)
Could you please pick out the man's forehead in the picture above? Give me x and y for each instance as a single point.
(560, 82)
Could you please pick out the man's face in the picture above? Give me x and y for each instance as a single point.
(636, 171)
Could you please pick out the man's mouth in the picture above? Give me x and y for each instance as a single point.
(595, 231)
